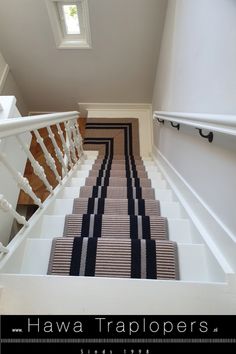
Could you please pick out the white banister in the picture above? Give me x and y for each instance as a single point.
(21, 181)
(37, 168)
(69, 131)
(77, 137)
(3, 249)
(224, 123)
(49, 159)
(66, 155)
(66, 149)
(58, 152)
(25, 124)
(7, 207)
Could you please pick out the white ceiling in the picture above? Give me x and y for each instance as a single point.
(120, 67)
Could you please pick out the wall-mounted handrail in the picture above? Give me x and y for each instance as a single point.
(175, 125)
(208, 136)
(225, 124)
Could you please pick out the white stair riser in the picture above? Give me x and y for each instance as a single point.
(171, 209)
(91, 296)
(165, 195)
(65, 206)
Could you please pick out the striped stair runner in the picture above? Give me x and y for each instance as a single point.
(115, 229)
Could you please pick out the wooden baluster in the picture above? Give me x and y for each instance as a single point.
(49, 159)
(37, 168)
(21, 181)
(7, 208)
(65, 147)
(71, 142)
(57, 150)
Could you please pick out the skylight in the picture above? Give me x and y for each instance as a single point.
(70, 23)
(71, 18)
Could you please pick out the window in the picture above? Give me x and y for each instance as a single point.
(70, 23)
(70, 18)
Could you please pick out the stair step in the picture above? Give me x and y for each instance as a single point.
(77, 182)
(61, 207)
(179, 230)
(192, 263)
(36, 256)
(84, 167)
(43, 295)
(116, 226)
(90, 154)
(171, 209)
(81, 174)
(53, 226)
(65, 206)
(164, 195)
(149, 163)
(89, 161)
(70, 192)
(118, 182)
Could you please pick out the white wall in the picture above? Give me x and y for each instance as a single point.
(11, 88)
(4, 69)
(120, 67)
(17, 158)
(196, 73)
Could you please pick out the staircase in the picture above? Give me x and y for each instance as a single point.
(113, 231)
(113, 239)
(30, 290)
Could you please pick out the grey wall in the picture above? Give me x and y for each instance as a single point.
(11, 89)
(196, 73)
(120, 67)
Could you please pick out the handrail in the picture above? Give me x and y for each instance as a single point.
(67, 144)
(15, 126)
(225, 124)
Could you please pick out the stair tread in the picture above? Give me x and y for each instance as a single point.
(115, 226)
(116, 206)
(37, 253)
(114, 258)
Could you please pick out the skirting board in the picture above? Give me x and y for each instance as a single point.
(213, 232)
(125, 110)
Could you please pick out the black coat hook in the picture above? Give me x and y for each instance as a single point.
(208, 136)
(177, 125)
(161, 120)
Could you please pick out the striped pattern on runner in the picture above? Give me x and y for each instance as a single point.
(116, 258)
(117, 192)
(117, 173)
(116, 206)
(116, 229)
(118, 182)
(116, 226)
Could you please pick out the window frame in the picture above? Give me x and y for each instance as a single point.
(62, 38)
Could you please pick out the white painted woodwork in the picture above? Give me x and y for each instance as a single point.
(202, 272)
(49, 159)
(37, 168)
(57, 150)
(7, 208)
